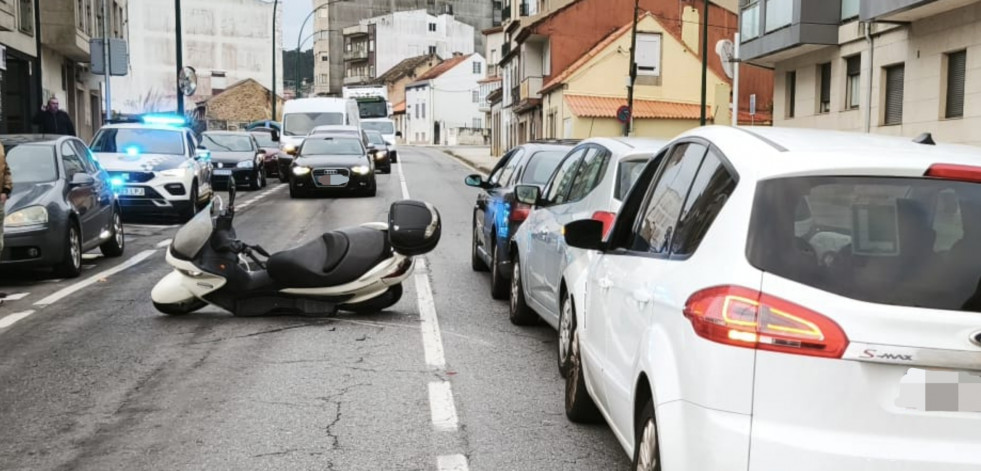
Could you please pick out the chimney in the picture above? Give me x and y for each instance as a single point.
(457, 54)
(218, 82)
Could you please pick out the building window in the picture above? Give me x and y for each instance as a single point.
(853, 81)
(417, 115)
(749, 24)
(779, 13)
(895, 77)
(26, 24)
(849, 10)
(476, 96)
(791, 87)
(824, 97)
(432, 27)
(478, 68)
(324, 58)
(478, 123)
(648, 57)
(423, 111)
(956, 70)
(432, 50)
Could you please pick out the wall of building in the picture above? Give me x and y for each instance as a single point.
(448, 100)
(230, 36)
(922, 47)
(396, 89)
(406, 34)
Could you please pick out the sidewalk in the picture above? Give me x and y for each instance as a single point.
(475, 156)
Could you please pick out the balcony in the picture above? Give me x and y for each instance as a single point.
(357, 79)
(776, 30)
(60, 30)
(354, 31)
(8, 21)
(907, 10)
(356, 54)
(531, 88)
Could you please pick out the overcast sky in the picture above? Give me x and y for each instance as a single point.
(295, 11)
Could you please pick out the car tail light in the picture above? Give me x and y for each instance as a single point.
(743, 317)
(606, 218)
(964, 173)
(519, 212)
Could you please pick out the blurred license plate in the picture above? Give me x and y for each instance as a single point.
(332, 180)
(940, 391)
(132, 191)
(223, 172)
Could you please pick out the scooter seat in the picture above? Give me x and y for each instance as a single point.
(335, 258)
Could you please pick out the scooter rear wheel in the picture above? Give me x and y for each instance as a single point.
(382, 302)
(179, 309)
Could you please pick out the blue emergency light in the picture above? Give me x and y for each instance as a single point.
(165, 119)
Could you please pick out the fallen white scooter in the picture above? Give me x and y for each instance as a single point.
(359, 269)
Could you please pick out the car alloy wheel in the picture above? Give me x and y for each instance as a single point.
(499, 285)
(476, 263)
(515, 285)
(117, 230)
(579, 406)
(75, 248)
(518, 310)
(567, 324)
(647, 451)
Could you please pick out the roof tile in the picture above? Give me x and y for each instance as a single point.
(585, 106)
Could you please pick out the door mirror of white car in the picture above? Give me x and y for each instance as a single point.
(475, 181)
(584, 234)
(202, 154)
(528, 194)
(82, 179)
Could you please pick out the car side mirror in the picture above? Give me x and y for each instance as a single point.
(475, 181)
(584, 234)
(82, 179)
(528, 194)
(202, 154)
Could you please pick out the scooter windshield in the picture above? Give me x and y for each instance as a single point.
(191, 238)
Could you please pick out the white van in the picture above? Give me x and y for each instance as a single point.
(300, 116)
(387, 129)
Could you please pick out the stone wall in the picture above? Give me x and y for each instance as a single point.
(242, 103)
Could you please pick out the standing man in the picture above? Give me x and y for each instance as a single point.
(6, 186)
(53, 120)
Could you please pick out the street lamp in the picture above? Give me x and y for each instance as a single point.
(273, 97)
(299, 36)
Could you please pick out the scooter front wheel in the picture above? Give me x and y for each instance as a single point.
(380, 303)
(181, 308)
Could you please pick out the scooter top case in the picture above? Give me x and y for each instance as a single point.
(414, 227)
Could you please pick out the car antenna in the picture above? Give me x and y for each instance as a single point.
(926, 139)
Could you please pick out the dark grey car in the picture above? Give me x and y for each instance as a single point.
(235, 154)
(63, 205)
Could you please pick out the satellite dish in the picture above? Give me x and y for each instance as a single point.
(187, 80)
(725, 49)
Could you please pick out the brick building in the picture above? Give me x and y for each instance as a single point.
(241, 103)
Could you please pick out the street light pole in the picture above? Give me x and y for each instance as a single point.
(296, 58)
(633, 72)
(273, 97)
(705, 38)
(106, 62)
(180, 56)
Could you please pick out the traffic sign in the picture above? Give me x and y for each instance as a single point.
(623, 114)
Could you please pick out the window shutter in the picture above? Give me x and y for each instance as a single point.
(894, 94)
(956, 67)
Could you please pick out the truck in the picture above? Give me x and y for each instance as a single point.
(372, 100)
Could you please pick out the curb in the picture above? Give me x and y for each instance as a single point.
(471, 162)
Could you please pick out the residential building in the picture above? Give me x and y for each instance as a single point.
(333, 16)
(243, 102)
(535, 55)
(494, 41)
(20, 87)
(377, 44)
(404, 73)
(225, 41)
(897, 67)
(442, 105)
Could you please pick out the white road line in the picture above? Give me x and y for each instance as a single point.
(67, 291)
(16, 296)
(441, 406)
(432, 339)
(13, 318)
(164, 243)
(452, 463)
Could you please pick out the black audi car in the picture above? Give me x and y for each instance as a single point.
(332, 164)
(235, 154)
(380, 151)
(62, 206)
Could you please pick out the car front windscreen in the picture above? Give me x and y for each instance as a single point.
(32, 163)
(332, 146)
(384, 127)
(300, 124)
(264, 139)
(226, 142)
(139, 141)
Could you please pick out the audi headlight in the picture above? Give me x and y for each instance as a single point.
(173, 173)
(289, 148)
(361, 169)
(246, 164)
(380, 154)
(300, 171)
(29, 216)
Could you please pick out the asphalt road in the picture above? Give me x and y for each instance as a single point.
(92, 377)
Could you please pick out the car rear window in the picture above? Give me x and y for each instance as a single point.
(540, 166)
(226, 142)
(332, 146)
(901, 241)
(627, 174)
(32, 163)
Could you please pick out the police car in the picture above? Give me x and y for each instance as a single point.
(155, 166)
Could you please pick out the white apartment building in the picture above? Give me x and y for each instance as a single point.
(375, 45)
(443, 105)
(225, 41)
(897, 67)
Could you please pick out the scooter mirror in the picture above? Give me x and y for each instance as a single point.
(231, 192)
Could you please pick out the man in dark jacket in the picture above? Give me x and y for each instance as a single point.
(53, 120)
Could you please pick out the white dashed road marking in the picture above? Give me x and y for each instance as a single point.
(16, 296)
(13, 318)
(69, 290)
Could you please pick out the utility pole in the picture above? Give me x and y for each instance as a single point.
(633, 72)
(107, 61)
(705, 48)
(38, 80)
(180, 56)
(273, 97)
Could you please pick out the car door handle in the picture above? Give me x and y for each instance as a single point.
(641, 296)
